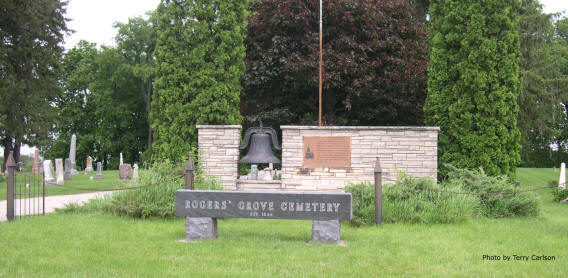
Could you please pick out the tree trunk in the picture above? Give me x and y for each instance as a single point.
(148, 106)
(7, 144)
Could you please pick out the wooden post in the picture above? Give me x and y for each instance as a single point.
(378, 193)
(10, 181)
(189, 174)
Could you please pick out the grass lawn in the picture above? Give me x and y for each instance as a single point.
(81, 181)
(78, 245)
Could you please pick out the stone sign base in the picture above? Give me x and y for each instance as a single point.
(198, 228)
(326, 231)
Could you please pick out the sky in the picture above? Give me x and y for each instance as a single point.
(93, 21)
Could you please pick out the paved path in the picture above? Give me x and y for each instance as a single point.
(53, 202)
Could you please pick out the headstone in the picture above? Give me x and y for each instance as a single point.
(99, 174)
(59, 171)
(135, 173)
(35, 168)
(89, 167)
(72, 151)
(121, 162)
(562, 179)
(125, 172)
(253, 172)
(68, 175)
(266, 175)
(48, 171)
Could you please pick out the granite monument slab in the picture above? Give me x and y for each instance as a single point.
(99, 174)
(125, 172)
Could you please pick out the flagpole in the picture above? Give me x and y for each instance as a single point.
(320, 61)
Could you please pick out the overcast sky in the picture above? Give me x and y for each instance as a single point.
(93, 20)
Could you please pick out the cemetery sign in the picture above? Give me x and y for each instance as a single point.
(264, 205)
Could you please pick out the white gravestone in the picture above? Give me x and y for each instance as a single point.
(135, 173)
(562, 179)
(72, 151)
(121, 162)
(59, 171)
(48, 171)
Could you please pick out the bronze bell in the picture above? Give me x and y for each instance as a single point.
(260, 150)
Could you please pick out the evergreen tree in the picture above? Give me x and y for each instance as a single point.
(540, 97)
(30, 36)
(199, 62)
(474, 83)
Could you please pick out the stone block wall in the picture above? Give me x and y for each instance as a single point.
(219, 152)
(410, 149)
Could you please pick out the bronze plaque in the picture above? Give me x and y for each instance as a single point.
(326, 151)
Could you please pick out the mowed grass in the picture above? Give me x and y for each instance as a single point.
(78, 245)
(80, 183)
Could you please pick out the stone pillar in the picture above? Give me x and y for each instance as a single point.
(562, 179)
(48, 171)
(99, 174)
(219, 152)
(35, 168)
(328, 231)
(121, 161)
(72, 151)
(59, 171)
(198, 228)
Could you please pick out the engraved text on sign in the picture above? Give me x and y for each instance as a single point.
(326, 151)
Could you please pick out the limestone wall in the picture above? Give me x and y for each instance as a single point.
(412, 149)
(219, 152)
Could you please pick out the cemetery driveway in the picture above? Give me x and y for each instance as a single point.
(53, 202)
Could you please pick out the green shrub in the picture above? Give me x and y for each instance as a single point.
(363, 203)
(559, 194)
(494, 204)
(406, 201)
(154, 200)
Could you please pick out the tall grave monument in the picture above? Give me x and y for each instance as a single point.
(72, 151)
(35, 168)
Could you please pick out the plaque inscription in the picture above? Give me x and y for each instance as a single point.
(326, 151)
